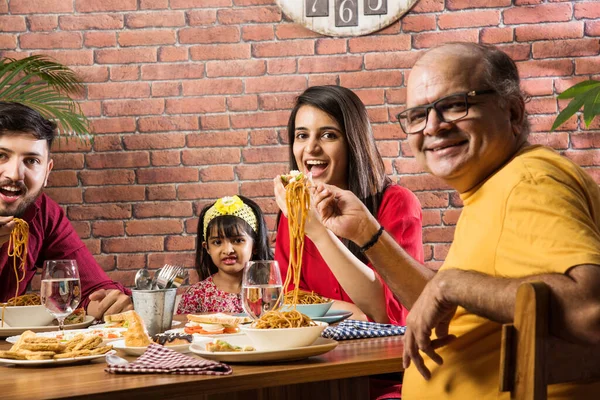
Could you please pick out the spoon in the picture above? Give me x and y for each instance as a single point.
(153, 284)
(142, 279)
(114, 359)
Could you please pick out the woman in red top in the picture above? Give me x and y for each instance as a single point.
(331, 138)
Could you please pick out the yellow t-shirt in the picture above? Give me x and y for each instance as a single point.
(539, 214)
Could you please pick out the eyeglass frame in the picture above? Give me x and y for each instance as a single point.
(428, 107)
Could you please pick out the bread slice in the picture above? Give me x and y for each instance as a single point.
(136, 334)
(218, 318)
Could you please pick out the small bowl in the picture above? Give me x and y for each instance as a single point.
(27, 316)
(310, 310)
(283, 338)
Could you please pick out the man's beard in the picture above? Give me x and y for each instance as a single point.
(26, 201)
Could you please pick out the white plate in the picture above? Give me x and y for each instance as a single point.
(11, 331)
(103, 326)
(60, 361)
(333, 316)
(198, 336)
(320, 346)
(71, 333)
(138, 351)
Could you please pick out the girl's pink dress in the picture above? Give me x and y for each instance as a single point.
(204, 297)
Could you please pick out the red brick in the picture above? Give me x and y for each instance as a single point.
(424, 6)
(214, 122)
(44, 7)
(201, 17)
(396, 96)
(167, 175)
(278, 66)
(587, 10)
(253, 2)
(88, 22)
(284, 48)
(155, 19)
(126, 56)
(206, 190)
(65, 195)
(63, 178)
(93, 245)
(105, 5)
(104, 211)
(160, 259)
(388, 131)
(257, 33)
(563, 84)
(538, 14)
(54, 40)
(107, 143)
(125, 73)
(180, 243)
(91, 108)
(537, 68)
(249, 15)
(82, 228)
(118, 160)
(275, 84)
(214, 155)
(165, 158)
(131, 261)
(118, 90)
(204, 139)
(331, 46)
(569, 30)
(212, 86)
(153, 4)
(108, 228)
(261, 171)
(159, 209)
(12, 23)
(395, 60)
(172, 71)
(371, 79)
(497, 35)
(433, 199)
(260, 120)
(91, 74)
(65, 144)
(464, 4)
(585, 140)
(4, 6)
(220, 51)
(468, 19)
(317, 80)
(153, 227)
(214, 34)
(418, 23)
(69, 57)
(423, 182)
(545, 105)
(132, 245)
(217, 173)
(199, 3)
(112, 125)
(114, 194)
(257, 189)
(165, 89)
(589, 65)
(443, 234)
(556, 140)
(537, 87)
(99, 39)
(264, 155)
(170, 54)
(235, 68)
(566, 48)
(158, 124)
(107, 177)
(142, 38)
(431, 218)
(379, 43)
(42, 22)
(192, 105)
(67, 161)
(330, 64)
(115, 108)
(277, 101)
(518, 52)
(161, 192)
(440, 251)
(432, 39)
(542, 123)
(294, 31)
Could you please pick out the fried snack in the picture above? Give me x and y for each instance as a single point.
(88, 343)
(55, 347)
(70, 345)
(73, 354)
(13, 355)
(102, 349)
(136, 335)
(39, 355)
(24, 336)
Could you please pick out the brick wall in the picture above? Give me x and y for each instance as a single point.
(189, 99)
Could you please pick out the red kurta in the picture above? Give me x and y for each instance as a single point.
(52, 237)
(399, 214)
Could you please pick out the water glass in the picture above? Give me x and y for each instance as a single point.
(261, 287)
(61, 288)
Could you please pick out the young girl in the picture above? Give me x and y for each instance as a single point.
(231, 232)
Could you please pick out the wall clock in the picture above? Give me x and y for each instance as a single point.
(345, 17)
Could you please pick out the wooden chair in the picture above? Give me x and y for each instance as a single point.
(531, 359)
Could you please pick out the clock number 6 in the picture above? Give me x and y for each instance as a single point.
(346, 13)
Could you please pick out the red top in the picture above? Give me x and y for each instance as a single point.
(400, 215)
(205, 296)
(52, 237)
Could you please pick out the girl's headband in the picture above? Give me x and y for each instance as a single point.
(230, 206)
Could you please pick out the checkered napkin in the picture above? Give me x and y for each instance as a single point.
(352, 329)
(159, 359)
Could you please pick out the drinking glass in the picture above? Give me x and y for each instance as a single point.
(261, 287)
(61, 288)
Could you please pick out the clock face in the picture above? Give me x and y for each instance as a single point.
(345, 17)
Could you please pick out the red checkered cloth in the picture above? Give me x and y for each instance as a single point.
(161, 360)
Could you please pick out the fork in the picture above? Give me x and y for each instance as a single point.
(164, 277)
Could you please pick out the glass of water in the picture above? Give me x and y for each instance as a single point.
(61, 288)
(261, 287)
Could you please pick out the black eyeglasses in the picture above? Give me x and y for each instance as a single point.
(448, 109)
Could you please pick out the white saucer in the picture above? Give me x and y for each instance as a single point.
(60, 361)
(12, 331)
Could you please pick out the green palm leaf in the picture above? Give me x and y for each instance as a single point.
(584, 94)
(45, 86)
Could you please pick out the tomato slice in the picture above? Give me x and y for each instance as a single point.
(198, 329)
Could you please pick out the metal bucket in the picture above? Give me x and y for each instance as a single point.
(156, 307)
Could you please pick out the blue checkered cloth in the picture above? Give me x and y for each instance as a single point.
(352, 329)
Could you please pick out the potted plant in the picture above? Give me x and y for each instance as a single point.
(45, 86)
(584, 94)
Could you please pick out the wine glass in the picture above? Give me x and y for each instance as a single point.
(261, 287)
(61, 288)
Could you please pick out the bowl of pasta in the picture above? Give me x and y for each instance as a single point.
(308, 303)
(278, 330)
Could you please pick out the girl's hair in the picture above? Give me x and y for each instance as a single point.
(228, 226)
(366, 171)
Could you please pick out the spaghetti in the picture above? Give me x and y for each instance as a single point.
(17, 249)
(304, 297)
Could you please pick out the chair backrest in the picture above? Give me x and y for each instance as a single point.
(531, 359)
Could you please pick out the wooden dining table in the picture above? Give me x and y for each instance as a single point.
(342, 373)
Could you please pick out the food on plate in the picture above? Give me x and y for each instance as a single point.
(213, 324)
(29, 299)
(172, 339)
(297, 199)
(76, 317)
(136, 334)
(17, 249)
(116, 320)
(305, 297)
(33, 347)
(218, 345)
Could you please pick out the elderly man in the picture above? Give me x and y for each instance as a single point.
(529, 215)
(25, 164)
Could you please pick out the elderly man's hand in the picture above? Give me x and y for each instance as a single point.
(431, 311)
(6, 226)
(107, 302)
